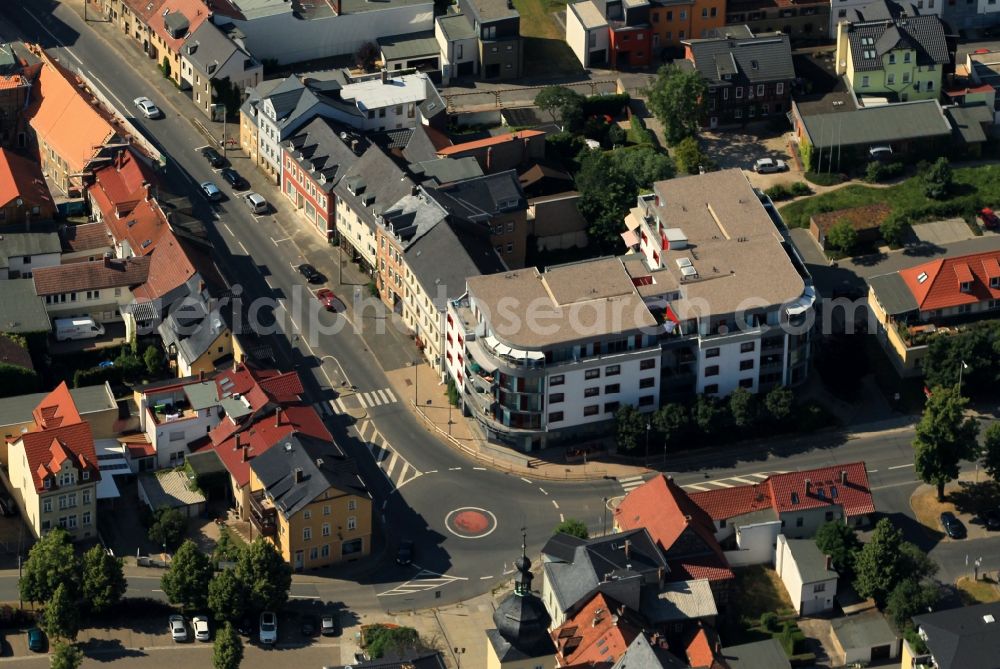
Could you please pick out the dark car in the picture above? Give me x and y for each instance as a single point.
(404, 554)
(311, 274)
(991, 519)
(36, 640)
(330, 625)
(308, 625)
(234, 179)
(953, 527)
(213, 157)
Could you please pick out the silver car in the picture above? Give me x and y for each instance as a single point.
(178, 630)
(769, 165)
(200, 625)
(146, 106)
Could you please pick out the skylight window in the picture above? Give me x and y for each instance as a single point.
(921, 277)
(795, 498)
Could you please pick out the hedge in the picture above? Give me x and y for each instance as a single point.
(17, 380)
(612, 104)
(639, 134)
(96, 376)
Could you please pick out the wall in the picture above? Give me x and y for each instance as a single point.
(675, 22)
(898, 77)
(289, 40)
(314, 205)
(32, 503)
(222, 346)
(356, 232)
(812, 520)
(172, 438)
(907, 360)
(455, 53)
(755, 544)
(493, 662)
(103, 305)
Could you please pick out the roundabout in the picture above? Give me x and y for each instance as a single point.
(471, 522)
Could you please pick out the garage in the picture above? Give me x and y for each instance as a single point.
(466, 69)
(865, 637)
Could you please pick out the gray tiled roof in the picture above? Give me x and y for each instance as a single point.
(756, 60)
(678, 601)
(456, 27)
(810, 561)
(446, 170)
(319, 150)
(14, 243)
(208, 46)
(878, 125)
(382, 179)
(89, 399)
(757, 655)
(865, 630)
(413, 45)
(21, 310)
(445, 257)
(478, 199)
(323, 464)
(963, 637)
(882, 26)
(169, 488)
(641, 655)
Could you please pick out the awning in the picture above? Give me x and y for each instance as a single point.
(630, 238)
(501, 349)
(491, 342)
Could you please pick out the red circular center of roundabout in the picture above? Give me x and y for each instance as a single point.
(471, 522)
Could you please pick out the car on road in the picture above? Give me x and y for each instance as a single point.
(327, 298)
(36, 640)
(200, 625)
(308, 625)
(330, 625)
(146, 106)
(953, 527)
(213, 157)
(991, 519)
(178, 630)
(211, 191)
(234, 179)
(404, 554)
(256, 202)
(268, 627)
(311, 274)
(769, 166)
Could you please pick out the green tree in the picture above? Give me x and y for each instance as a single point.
(975, 351)
(944, 437)
(676, 98)
(226, 548)
(616, 135)
(168, 528)
(938, 180)
(227, 652)
(564, 105)
(778, 403)
(365, 56)
(227, 596)
(61, 619)
(606, 194)
(910, 598)
(991, 451)
(670, 421)
(688, 156)
(630, 431)
(104, 581)
(914, 563)
(153, 358)
(65, 656)
(877, 566)
(893, 231)
(642, 166)
(392, 640)
(743, 408)
(573, 527)
(165, 67)
(842, 237)
(51, 562)
(187, 579)
(709, 415)
(265, 574)
(840, 542)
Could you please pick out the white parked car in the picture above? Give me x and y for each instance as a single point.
(146, 106)
(769, 165)
(256, 202)
(268, 627)
(200, 625)
(178, 630)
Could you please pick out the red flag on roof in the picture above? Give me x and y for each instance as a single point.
(670, 315)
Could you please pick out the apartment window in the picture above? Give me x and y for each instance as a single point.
(46, 506)
(307, 534)
(713, 12)
(704, 12)
(906, 77)
(670, 16)
(556, 398)
(746, 364)
(648, 382)
(684, 15)
(71, 500)
(510, 226)
(591, 410)
(712, 389)
(591, 392)
(352, 522)
(326, 510)
(890, 78)
(647, 364)
(864, 81)
(779, 88)
(72, 522)
(325, 551)
(725, 93)
(892, 59)
(760, 90)
(592, 374)
(906, 57)
(712, 370)
(819, 587)
(86, 497)
(85, 518)
(326, 529)
(738, 113)
(612, 388)
(352, 504)
(555, 416)
(313, 553)
(510, 247)
(612, 370)
(748, 347)
(930, 84)
(798, 522)
(611, 407)
(712, 352)
(746, 383)
(647, 400)
(307, 514)
(557, 380)
(739, 92)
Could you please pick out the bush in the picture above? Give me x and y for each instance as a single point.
(16, 380)
(616, 135)
(689, 156)
(779, 192)
(768, 620)
(638, 132)
(791, 638)
(893, 231)
(800, 188)
(611, 105)
(96, 376)
(564, 146)
(452, 390)
(153, 358)
(938, 180)
(824, 179)
(877, 172)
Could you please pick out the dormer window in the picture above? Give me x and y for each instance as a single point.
(966, 286)
(995, 282)
(86, 475)
(47, 483)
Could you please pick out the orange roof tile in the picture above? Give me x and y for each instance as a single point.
(86, 237)
(56, 408)
(701, 650)
(489, 141)
(59, 435)
(195, 11)
(65, 121)
(725, 503)
(839, 485)
(91, 275)
(22, 178)
(941, 287)
(169, 268)
(597, 635)
(121, 190)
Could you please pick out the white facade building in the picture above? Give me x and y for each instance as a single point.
(388, 102)
(587, 33)
(459, 44)
(808, 577)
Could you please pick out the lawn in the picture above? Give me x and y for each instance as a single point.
(757, 591)
(545, 50)
(974, 188)
(977, 592)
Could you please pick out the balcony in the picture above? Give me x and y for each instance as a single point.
(263, 515)
(162, 411)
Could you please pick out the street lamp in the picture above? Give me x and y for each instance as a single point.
(604, 523)
(649, 427)
(960, 368)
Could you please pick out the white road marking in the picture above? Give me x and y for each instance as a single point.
(543, 492)
(338, 405)
(392, 464)
(303, 597)
(901, 466)
(525, 480)
(454, 469)
(242, 248)
(872, 471)
(693, 486)
(741, 480)
(361, 401)
(433, 471)
(480, 469)
(392, 398)
(485, 578)
(228, 229)
(561, 518)
(42, 26)
(721, 484)
(555, 504)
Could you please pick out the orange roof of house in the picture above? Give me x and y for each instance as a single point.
(701, 650)
(666, 511)
(195, 11)
(121, 190)
(725, 503)
(169, 268)
(65, 121)
(56, 408)
(489, 141)
(22, 178)
(941, 285)
(598, 635)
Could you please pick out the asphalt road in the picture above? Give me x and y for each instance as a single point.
(193, 655)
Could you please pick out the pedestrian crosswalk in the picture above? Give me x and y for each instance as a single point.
(731, 482)
(395, 467)
(423, 581)
(630, 483)
(376, 398)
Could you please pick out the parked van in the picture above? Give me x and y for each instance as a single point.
(77, 328)
(256, 202)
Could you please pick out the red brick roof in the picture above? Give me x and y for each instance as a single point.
(121, 191)
(169, 268)
(91, 275)
(23, 178)
(56, 408)
(195, 11)
(941, 288)
(596, 636)
(12, 353)
(86, 237)
(724, 503)
(701, 650)
(666, 511)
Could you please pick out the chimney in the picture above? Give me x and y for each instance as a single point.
(808, 486)
(107, 260)
(628, 549)
(277, 417)
(201, 375)
(246, 454)
(829, 563)
(298, 475)
(385, 76)
(843, 477)
(237, 446)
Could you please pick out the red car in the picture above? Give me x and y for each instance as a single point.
(327, 299)
(990, 219)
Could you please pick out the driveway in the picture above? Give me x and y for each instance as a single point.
(944, 232)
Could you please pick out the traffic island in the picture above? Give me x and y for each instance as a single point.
(966, 497)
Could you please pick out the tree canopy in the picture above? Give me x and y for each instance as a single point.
(168, 528)
(265, 574)
(944, 437)
(842, 237)
(61, 619)
(886, 561)
(65, 656)
(186, 580)
(227, 596)
(676, 98)
(631, 428)
(51, 561)
(227, 652)
(573, 527)
(104, 581)
(991, 451)
(840, 542)
(563, 104)
(382, 640)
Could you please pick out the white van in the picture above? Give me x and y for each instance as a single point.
(77, 328)
(256, 202)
